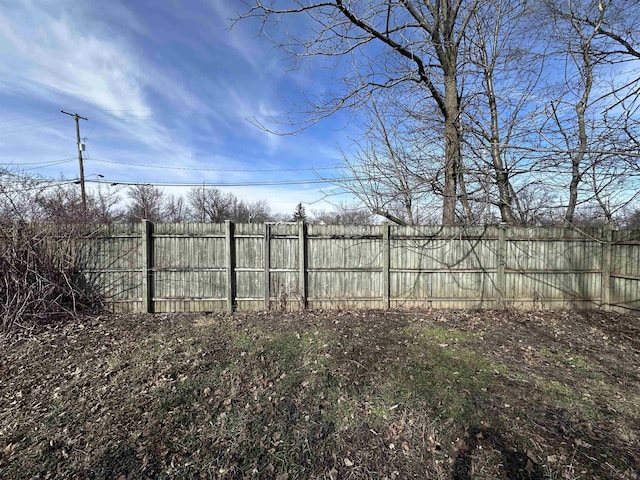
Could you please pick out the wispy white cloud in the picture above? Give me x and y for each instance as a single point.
(99, 72)
(239, 38)
(59, 62)
(57, 59)
(253, 109)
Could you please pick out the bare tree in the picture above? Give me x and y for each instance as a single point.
(500, 40)
(63, 204)
(632, 220)
(257, 211)
(104, 205)
(419, 43)
(146, 202)
(176, 209)
(30, 198)
(397, 165)
(579, 40)
(19, 194)
(208, 204)
(345, 214)
(394, 174)
(485, 78)
(618, 45)
(593, 123)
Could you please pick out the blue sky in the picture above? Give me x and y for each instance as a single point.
(163, 84)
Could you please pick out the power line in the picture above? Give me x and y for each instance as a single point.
(61, 160)
(101, 181)
(39, 166)
(248, 170)
(231, 184)
(39, 185)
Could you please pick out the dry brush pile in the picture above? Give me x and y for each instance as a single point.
(39, 274)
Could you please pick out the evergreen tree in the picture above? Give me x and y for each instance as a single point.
(299, 214)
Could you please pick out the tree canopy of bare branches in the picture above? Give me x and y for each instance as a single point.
(390, 43)
(505, 105)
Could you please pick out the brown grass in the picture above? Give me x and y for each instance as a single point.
(441, 395)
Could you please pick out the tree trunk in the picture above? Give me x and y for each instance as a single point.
(578, 157)
(502, 178)
(451, 149)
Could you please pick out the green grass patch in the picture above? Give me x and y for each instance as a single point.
(559, 393)
(574, 361)
(451, 379)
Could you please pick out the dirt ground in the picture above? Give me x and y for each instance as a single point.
(367, 394)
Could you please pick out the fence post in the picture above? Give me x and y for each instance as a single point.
(605, 282)
(147, 266)
(231, 265)
(501, 284)
(386, 266)
(302, 263)
(267, 266)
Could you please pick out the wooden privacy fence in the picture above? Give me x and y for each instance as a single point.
(209, 267)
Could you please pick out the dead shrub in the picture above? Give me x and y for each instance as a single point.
(40, 274)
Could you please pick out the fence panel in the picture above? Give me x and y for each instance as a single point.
(284, 267)
(553, 266)
(345, 266)
(111, 260)
(443, 267)
(625, 271)
(206, 267)
(188, 267)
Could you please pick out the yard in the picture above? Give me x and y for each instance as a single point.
(336, 395)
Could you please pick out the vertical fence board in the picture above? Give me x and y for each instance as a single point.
(302, 264)
(231, 258)
(147, 266)
(500, 284)
(386, 267)
(267, 266)
(605, 281)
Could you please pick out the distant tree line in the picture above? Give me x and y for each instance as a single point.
(30, 198)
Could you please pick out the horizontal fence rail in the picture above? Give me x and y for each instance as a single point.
(288, 266)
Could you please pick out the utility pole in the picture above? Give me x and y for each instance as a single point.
(77, 118)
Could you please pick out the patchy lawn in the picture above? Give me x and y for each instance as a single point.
(438, 394)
